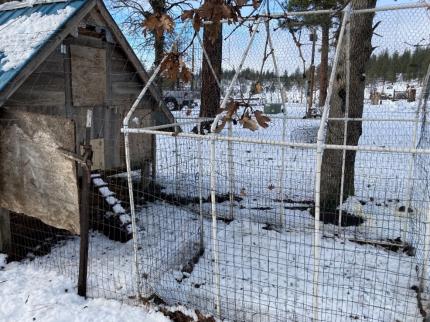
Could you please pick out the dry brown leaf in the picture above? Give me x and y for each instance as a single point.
(158, 23)
(174, 68)
(167, 23)
(221, 126)
(187, 14)
(258, 88)
(215, 11)
(232, 108)
(262, 119)
(256, 3)
(249, 123)
(186, 74)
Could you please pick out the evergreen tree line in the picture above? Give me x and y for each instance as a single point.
(409, 65)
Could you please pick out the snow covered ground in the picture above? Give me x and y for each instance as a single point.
(356, 279)
(266, 272)
(31, 294)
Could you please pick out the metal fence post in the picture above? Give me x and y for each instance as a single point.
(126, 132)
(421, 110)
(200, 156)
(213, 177)
(319, 157)
(176, 162)
(215, 254)
(230, 170)
(346, 114)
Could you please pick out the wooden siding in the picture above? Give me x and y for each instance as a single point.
(88, 67)
(52, 89)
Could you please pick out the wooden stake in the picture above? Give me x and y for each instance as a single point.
(84, 209)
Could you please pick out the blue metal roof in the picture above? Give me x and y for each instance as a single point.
(44, 9)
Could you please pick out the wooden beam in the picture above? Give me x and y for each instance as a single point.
(5, 235)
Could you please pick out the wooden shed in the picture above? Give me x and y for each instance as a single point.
(57, 60)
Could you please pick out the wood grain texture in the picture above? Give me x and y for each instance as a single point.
(88, 76)
(35, 178)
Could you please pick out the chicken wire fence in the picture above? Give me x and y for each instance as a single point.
(247, 211)
(227, 222)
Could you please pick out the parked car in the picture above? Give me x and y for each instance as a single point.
(178, 99)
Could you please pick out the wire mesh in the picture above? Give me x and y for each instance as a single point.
(255, 260)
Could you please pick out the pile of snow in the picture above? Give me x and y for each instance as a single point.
(31, 294)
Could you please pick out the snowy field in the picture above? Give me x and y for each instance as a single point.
(357, 281)
(266, 272)
(31, 294)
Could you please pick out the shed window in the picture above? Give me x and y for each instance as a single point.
(88, 66)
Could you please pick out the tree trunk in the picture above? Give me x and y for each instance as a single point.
(158, 6)
(210, 92)
(325, 34)
(360, 51)
(311, 78)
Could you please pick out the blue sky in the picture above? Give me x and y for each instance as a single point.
(396, 32)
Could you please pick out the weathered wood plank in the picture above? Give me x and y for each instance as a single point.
(40, 89)
(88, 76)
(35, 177)
(86, 41)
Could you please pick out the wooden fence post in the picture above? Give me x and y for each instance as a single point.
(84, 209)
(5, 235)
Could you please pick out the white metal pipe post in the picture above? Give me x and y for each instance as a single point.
(230, 174)
(346, 114)
(278, 15)
(126, 130)
(319, 157)
(367, 148)
(128, 166)
(421, 110)
(424, 276)
(200, 156)
(215, 253)
(176, 161)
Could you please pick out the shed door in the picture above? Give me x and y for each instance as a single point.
(88, 68)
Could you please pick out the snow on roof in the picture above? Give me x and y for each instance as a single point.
(25, 29)
(13, 5)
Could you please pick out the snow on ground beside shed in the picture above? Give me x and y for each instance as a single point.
(22, 36)
(267, 273)
(356, 280)
(31, 294)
